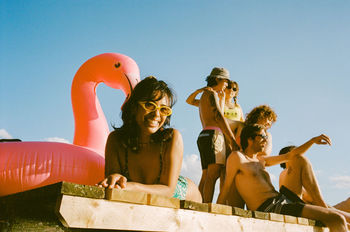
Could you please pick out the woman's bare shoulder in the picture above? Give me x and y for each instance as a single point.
(114, 138)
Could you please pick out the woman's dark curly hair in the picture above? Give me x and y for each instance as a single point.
(149, 89)
(262, 111)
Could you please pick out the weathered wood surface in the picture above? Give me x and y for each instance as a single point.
(73, 207)
(79, 212)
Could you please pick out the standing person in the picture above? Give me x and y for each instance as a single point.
(232, 110)
(144, 155)
(211, 142)
(246, 172)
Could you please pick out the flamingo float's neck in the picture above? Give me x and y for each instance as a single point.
(91, 128)
(116, 71)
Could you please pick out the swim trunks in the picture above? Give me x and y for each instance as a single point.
(233, 113)
(286, 202)
(181, 188)
(211, 146)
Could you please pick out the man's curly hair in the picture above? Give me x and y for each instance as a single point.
(259, 112)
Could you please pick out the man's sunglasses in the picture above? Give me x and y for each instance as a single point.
(151, 106)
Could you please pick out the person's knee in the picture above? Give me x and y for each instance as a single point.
(335, 217)
(300, 160)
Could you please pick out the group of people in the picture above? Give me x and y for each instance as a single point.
(144, 154)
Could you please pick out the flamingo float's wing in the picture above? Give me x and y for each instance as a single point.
(28, 165)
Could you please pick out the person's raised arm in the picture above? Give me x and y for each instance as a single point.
(192, 98)
(172, 161)
(273, 160)
(232, 165)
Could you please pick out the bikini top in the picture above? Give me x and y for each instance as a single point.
(232, 113)
(126, 173)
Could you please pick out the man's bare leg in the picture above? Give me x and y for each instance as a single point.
(333, 220)
(202, 181)
(213, 174)
(222, 177)
(301, 175)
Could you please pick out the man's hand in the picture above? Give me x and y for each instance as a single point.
(322, 139)
(113, 181)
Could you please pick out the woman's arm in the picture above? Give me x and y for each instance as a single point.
(273, 160)
(172, 161)
(113, 178)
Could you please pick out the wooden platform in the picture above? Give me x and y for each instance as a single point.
(71, 207)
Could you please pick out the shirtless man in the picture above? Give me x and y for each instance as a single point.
(211, 142)
(246, 172)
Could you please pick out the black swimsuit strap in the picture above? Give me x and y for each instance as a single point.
(126, 167)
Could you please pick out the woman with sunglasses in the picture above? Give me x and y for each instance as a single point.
(232, 110)
(144, 155)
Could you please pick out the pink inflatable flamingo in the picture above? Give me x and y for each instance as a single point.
(28, 165)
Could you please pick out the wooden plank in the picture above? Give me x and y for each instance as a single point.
(219, 209)
(82, 190)
(261, 215)
(242, 212)
(303, 221)
(192, 205)
(290, 219)
(79, 212)
(276, 217)
(126, 196)
(158, 200)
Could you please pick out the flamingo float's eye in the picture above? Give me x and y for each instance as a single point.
(117, 65)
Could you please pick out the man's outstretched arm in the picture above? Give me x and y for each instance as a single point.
(273, 160)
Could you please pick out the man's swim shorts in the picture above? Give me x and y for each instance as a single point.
(211, 146)
(286, 202)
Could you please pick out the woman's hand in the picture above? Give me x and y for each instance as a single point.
(113, 181)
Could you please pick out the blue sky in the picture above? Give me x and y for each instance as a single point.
(292, 55)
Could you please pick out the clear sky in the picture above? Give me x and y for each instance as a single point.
(292, 55)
